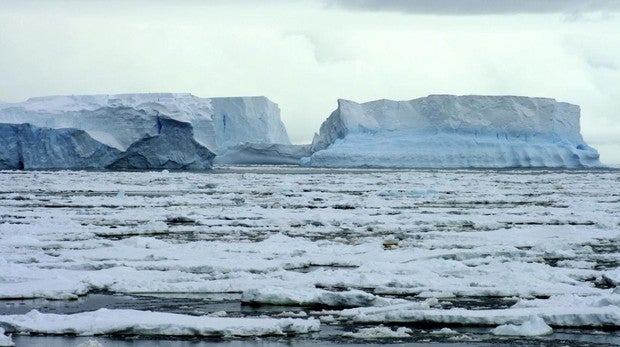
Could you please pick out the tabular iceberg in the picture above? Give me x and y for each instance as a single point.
(447, 131)
(132, 123)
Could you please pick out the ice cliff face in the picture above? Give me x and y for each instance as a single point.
(173, 148)
(163, 130)
(446, 131)
(24, 146)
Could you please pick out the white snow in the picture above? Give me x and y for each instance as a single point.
(133, 322)
(453, 132)
(535, 326)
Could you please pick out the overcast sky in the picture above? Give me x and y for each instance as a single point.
(304, 55)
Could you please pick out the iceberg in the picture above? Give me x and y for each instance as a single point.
(264, 154)
(133, 123)
(24, 146)
(173, 148)
(447, 131)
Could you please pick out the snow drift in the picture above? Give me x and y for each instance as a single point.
(125, 121)
(446, 131)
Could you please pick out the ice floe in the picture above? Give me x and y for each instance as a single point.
(534, 326)
(134, 322)
(5, 340)
(379, 332)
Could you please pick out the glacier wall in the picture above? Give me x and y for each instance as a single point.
(447, 131)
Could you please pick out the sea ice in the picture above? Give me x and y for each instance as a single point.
(608, 316)
(531, 243)
(5, 340)
(134, 322)
(318, 297)
(534, 326)
(379, 332)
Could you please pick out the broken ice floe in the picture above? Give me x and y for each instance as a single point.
(134, 322)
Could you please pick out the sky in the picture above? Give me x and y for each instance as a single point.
(304, 55)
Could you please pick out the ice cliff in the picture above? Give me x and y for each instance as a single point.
(24, 146)
(135, 124)
(173, 148)
(446, 131)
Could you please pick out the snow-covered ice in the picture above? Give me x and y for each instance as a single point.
(566, 316)
(5, 340)
(447, 131)
(133, 322)
(379, 332)
(467, 247)
(534, 326)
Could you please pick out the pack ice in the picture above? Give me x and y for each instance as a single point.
(133, 131)
(447, 131)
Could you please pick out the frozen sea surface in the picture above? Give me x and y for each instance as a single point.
(261, 255)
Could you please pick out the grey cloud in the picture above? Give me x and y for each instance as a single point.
(478, 7)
